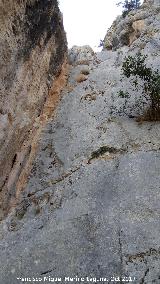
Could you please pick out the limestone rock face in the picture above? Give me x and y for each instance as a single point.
(136, 29)
(32, 51)
(91, 204)
(90, 208)
(81, 54)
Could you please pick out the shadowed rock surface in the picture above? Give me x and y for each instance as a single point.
(32, 51)
(91, 204)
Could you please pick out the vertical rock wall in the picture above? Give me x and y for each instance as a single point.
(32, 50)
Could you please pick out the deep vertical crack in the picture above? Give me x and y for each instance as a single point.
(143, 278)
(120, 254)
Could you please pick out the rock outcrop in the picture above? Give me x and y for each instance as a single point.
(89, 212)
(32, 50)
(81, 55)
(136, 29)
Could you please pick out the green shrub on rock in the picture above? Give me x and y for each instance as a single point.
(128, 5)
(136, 68)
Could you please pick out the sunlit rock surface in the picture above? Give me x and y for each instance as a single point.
(136, 29)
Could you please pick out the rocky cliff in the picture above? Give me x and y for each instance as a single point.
(89, 212)
(32, 51)
(136, 29)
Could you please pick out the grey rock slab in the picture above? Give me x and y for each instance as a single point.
(80, 54)
(92, 199)
(110, 228)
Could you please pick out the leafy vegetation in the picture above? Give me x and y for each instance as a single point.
(103, 150)
(136, 68)
(129, 5)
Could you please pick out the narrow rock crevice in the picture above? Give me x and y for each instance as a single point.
(105, 150)
(142, 281)
(120, 254)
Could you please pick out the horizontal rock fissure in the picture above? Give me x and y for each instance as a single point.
(104, 150)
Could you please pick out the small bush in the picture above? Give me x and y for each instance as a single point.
(101, 44)
(128, 5)
(136, 67)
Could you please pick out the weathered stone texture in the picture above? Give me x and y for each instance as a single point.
(135, 29)
(32, 51)
(90, 207)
